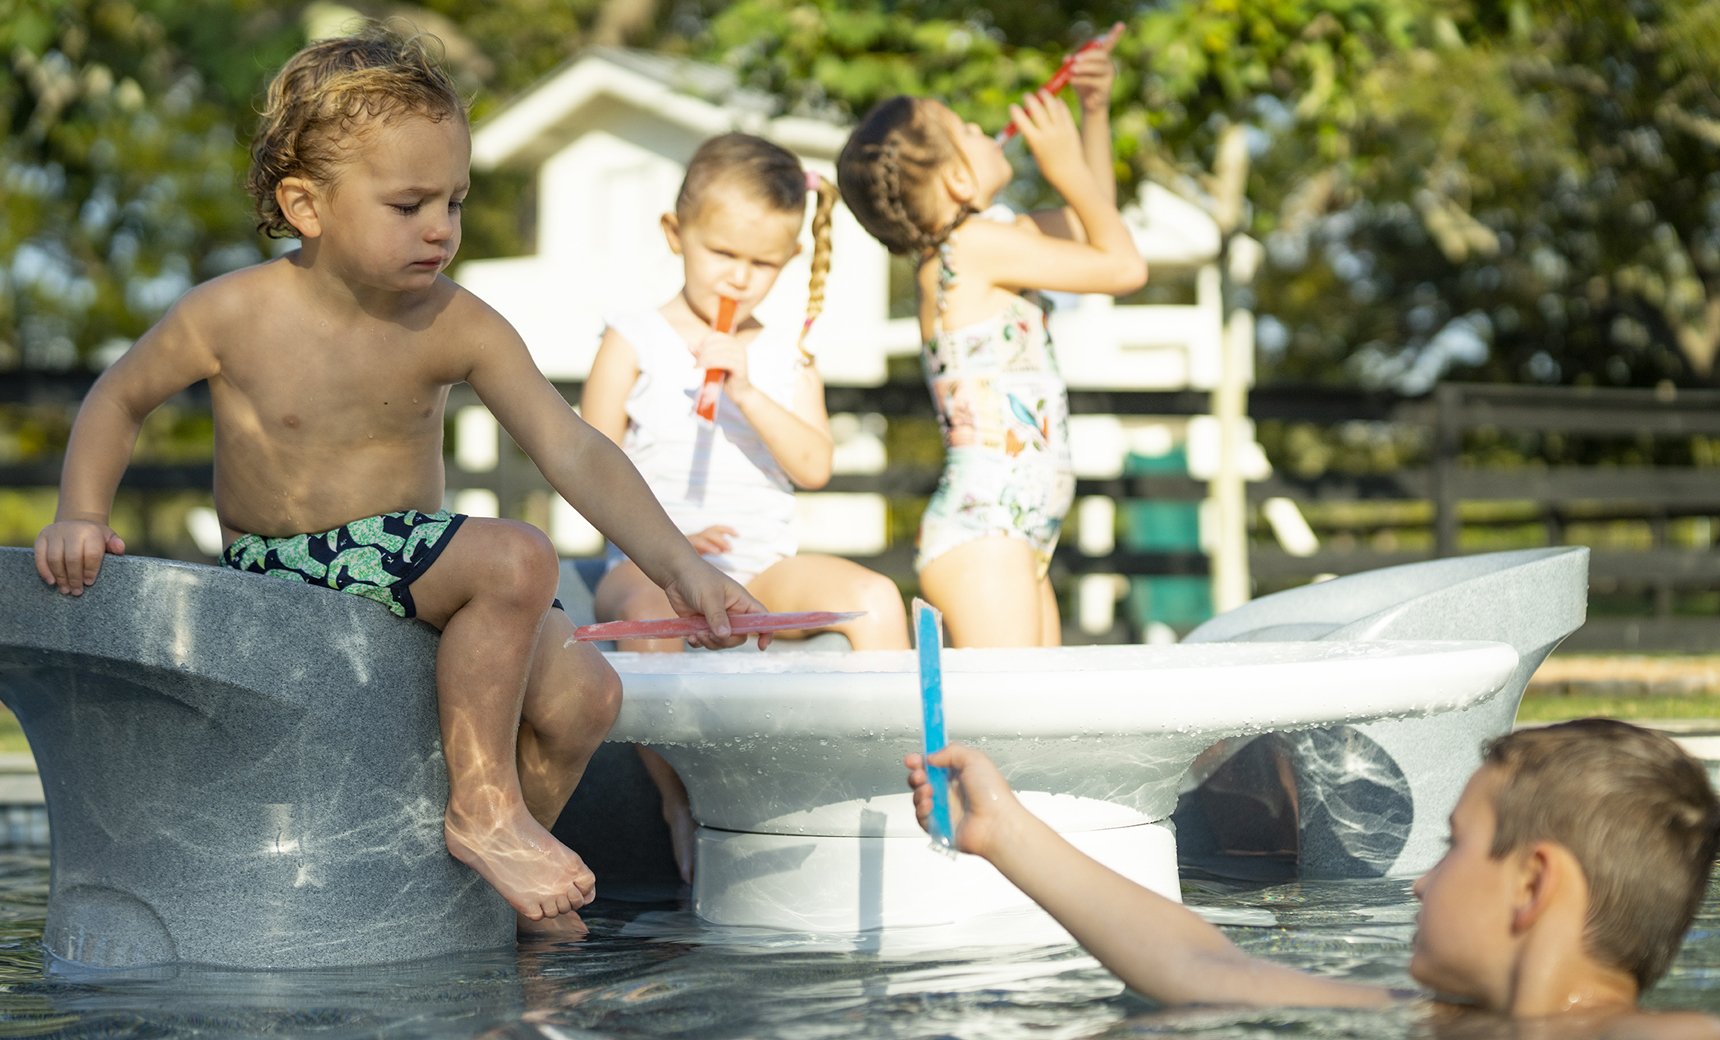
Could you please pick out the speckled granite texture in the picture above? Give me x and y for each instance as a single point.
(1373, 799)
(239, 771)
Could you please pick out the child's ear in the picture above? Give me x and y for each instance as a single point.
(958, 181)
(298, 199)
(1549, 879)
(672, 231)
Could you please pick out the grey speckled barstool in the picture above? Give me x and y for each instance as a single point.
(1372, 799)
(238, 771)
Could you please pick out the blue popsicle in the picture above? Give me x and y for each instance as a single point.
(929, 638)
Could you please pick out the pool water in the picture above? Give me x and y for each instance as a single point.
(650, 968)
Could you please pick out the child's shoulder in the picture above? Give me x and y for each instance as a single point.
(637, 323)
(250, 294)
(995, 222)
(644, 333)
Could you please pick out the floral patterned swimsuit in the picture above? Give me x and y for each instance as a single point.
(1004, 412)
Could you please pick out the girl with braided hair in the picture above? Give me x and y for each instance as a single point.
(730, 485)
(921, 181)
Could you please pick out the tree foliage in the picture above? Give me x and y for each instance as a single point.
(120, 155)
(1542, 180)
(1515, 189)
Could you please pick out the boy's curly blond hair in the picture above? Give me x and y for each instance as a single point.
(327, 94)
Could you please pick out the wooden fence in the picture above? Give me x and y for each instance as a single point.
(1632, 473)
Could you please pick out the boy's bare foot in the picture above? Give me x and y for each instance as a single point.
(560, 928)
(538, 876)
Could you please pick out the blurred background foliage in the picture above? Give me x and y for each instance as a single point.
(1496, 189)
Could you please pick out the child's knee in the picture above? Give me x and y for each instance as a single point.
(528, 564)
(644, 602)
(606, 697)
(879, 596)
(582, 714)
(600, 693)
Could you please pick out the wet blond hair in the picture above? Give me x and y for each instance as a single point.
(1636, 811)
(333, 90)
(888, 173)
(772, 176)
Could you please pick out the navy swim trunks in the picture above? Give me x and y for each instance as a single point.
(377, 557)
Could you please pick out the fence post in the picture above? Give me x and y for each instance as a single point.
(1447, 449)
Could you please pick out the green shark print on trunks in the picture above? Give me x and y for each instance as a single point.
(377, 557)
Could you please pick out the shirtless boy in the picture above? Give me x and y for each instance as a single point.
(1579, 854)
(328, 372)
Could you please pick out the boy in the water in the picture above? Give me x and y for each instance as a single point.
(328, 374)
(1579, 854)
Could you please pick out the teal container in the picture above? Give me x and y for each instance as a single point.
(1180, 601)
(1161, 525)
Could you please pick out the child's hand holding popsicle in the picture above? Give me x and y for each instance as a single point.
(1091, 73)
(705, 407)
(983, 810)
(1089, 68)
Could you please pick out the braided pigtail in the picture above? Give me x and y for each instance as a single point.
(888, 190)
(821, 247)
(888, 175)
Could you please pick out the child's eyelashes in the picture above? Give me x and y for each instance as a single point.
(407, 209)
(730, 257)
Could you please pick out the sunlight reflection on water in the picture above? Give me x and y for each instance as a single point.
(652, 969)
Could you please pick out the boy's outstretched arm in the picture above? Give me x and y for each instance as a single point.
(1158, 947)
(595, 476)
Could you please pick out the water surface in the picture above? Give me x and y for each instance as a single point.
(650, 968)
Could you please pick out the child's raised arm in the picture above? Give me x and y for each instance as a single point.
(1156, 946)
(1091, 251)
(1091, 76)
(165, 360)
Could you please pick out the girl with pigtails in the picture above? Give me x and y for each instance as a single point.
(922, 181)
(729, 483)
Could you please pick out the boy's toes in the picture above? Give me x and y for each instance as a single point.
(560, 927)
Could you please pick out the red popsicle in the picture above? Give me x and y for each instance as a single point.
(706, 405)
(1060, 78)
(664, 628)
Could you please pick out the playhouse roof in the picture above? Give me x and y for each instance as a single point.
(702, 98)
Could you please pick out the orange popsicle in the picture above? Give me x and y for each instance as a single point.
(705, 407)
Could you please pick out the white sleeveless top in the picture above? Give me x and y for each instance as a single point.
(706, 475)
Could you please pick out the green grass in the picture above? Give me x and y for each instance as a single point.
(1557, 707)
(11, 737)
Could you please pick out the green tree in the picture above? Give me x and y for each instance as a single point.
(1523, 190)
(120, 165)
(1543, 178)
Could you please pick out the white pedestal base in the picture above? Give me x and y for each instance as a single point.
(815, 883)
